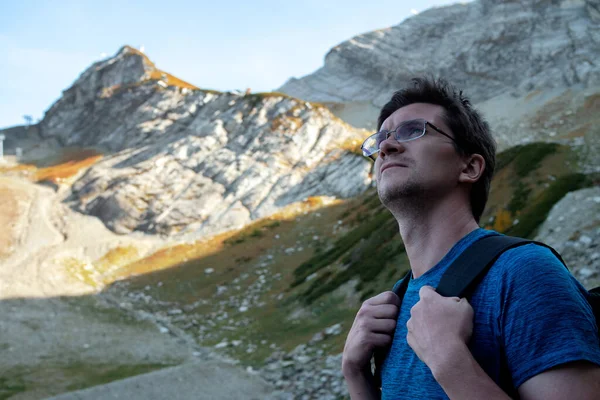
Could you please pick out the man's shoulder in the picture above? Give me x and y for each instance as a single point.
(534, 256)
(526, 267)
(531, 257)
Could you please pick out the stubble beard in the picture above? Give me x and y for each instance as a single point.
(406, 197)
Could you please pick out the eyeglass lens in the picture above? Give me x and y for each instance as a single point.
(406, 131)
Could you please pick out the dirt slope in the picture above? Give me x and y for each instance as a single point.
(57, 336)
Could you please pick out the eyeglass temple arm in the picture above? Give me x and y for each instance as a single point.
(442, 132)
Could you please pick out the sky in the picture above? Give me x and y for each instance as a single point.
(216, 44)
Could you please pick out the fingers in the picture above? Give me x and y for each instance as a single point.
(430, 292)
(388, 297)
(383, 311)
(381, 339)
(382, 325)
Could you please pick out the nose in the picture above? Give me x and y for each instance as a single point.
(389, 146)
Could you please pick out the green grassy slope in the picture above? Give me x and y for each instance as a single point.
(278, 282)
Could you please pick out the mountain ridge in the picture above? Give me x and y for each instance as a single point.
(217, 160)
(521, 48)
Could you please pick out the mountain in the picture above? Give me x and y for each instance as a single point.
(526, 64)
(178, 159)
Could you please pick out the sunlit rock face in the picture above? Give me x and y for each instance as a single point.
(498, 52)
(183, 160)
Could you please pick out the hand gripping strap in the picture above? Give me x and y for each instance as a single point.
(381, 354)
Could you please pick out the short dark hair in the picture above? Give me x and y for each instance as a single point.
(470, 130)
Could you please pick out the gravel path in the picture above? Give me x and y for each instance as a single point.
(209, 381)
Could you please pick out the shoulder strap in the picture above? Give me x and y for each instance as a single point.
(461, 278)
(473, 263)
(594, 300)
(400, 286)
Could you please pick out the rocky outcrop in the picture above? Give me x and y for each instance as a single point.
(187, 160)
(572, 229)
(488, 48)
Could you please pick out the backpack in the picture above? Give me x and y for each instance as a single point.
(462, 277)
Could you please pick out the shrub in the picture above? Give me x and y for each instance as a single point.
(340, 247)
(536, 213)
(526, 157)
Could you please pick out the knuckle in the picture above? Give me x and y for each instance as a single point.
(413, 310)
(390, 297)
(363, 312)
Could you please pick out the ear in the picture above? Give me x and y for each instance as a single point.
(473, 168)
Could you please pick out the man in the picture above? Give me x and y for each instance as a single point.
(528, 332)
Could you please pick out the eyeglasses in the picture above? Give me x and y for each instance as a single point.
(405, 132)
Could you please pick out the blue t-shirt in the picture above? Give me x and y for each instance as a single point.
(528, 307)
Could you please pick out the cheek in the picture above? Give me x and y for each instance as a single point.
(376, 167)
(447, 165)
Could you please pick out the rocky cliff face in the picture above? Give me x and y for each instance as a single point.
(181, 159)
(492, 49)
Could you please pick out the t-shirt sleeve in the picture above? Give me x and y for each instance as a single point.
(545, 318)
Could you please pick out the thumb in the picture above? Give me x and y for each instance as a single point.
(426, 291)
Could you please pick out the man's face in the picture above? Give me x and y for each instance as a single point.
(428, 166)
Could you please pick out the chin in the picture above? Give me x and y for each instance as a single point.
(391, 193)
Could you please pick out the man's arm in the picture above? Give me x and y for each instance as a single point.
(576, 381)
(462, 378)
(360, 385)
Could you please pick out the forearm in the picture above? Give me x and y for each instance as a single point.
(361, 386)
(462, 378)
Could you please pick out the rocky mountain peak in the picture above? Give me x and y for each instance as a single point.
(126, 68)
(178, 159)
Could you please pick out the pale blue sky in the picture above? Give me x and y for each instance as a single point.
(223, 45)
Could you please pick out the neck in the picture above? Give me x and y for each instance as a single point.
(430, 232)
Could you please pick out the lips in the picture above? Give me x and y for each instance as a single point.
(390, 165)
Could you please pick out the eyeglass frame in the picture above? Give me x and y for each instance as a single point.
(390, 132)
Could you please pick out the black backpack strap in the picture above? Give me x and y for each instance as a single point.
(400, 286)
(462, 277)
(594, 300)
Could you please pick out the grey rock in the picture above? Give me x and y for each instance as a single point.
(580, 255)
(192, 162)
(334, 329)
(587, 272)
(516, 60)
